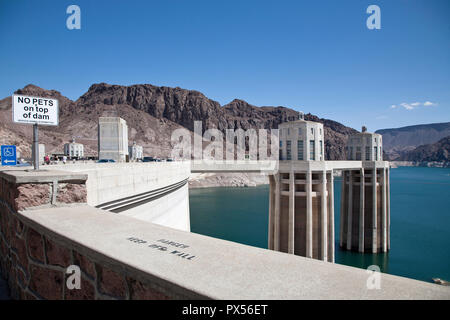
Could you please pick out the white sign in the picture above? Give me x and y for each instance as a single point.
(43, 111)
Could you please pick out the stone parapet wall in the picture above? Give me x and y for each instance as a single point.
(34, 262)
(35, 265)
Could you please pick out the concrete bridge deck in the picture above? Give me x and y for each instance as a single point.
(272, 166)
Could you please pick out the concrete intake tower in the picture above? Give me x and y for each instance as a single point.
(365, 203)
(301, 202)
(301, 210)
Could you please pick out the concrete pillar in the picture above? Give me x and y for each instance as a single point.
(341, 231)
(384, 212)
(388, 208)
(361, 211)
(309, 244)
(276, 230)
(291, 212)
(271, 211)
(324, 215)
(331, 198)
(350, 211)
(374, 207)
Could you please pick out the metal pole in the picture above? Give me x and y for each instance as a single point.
(36, 146)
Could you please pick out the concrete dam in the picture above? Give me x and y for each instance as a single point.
(126, 227)
(53, 219)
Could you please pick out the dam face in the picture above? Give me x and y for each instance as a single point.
(153, 192)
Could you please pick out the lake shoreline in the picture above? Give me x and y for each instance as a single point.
(426, 164)
(232, 179)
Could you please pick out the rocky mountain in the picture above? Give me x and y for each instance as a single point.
(78, 120)
(152, 113)
(396, 141)
(438, 151)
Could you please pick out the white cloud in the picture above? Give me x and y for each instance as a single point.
(413, 105)
(407, 106)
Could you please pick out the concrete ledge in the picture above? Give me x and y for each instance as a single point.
(19, 176)
(196, 266)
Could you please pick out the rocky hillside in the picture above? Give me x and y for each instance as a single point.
(79, 120)
(438, 151)
(396, 141)
(152, 113)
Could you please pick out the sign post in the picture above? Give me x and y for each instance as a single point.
(36, 146)
(9, 155)
(35, 110)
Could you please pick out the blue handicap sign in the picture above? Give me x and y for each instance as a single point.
(9, 155)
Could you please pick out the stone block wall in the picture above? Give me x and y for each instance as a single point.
(35, 261)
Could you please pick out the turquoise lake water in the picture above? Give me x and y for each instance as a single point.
(420, 222)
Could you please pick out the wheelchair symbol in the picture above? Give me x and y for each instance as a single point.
(9, 152)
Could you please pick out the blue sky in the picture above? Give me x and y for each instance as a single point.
(315, 56)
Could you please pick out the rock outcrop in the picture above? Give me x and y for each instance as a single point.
(152, 113)
(435, 152)
(400, 140)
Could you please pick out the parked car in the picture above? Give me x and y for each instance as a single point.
(105, 160)
(148, 159)
(169, 160)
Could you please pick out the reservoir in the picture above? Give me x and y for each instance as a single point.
(420, 222)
